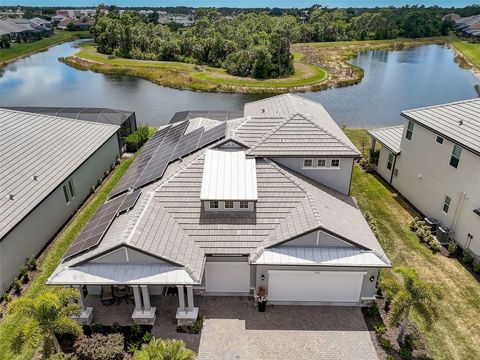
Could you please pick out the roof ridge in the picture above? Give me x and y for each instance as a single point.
(270, 133)
(442, 105)
(387, 127)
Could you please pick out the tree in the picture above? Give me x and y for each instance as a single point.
(71, 26)
(46, 315)
(263, 62)
(163, 350)
(410, 295)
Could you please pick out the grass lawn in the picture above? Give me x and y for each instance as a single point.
(52, 256)
(456, 335)
(190, 76)
(22, 49)
(470, 50)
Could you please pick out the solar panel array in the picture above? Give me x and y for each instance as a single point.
(130, 201)
(212, 135)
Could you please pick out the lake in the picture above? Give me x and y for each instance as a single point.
(394, 81)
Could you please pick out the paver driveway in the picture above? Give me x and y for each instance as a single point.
(234, 329)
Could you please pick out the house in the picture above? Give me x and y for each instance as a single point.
(44, 24)
(22, 30)
(48, 167)
(434, 162)
(82, 24)
(126, 120)
(76, 13)
(225, 208)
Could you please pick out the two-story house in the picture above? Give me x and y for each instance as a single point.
(434, 162)
(226, 208)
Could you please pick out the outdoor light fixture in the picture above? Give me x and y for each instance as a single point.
(262, 277)
(372, 278)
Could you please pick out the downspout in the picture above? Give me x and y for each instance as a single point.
(351, 175)
(457, 213)
(393, 168)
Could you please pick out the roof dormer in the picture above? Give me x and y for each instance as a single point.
(229, 181)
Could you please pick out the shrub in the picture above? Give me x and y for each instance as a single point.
(434, 244)
(414, 224)
(423, 232)
(405, 354)
(391, 357)
(116, 328)
(31, 263)
(62, 356)
(452, 247)
(164, 349)
(136, 139)
(476, 267)
(194, 328)
(379, 328)
(373, 309)
(96, 328)
(24, 273)
(7, 298)
(147, 337)
(385, 342)
(17, 286)
(100, 347)
(467, 257)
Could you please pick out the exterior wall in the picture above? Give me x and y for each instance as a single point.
(368, 287)
(381, 168)
(317, 238)
(33, 233)
(125, 255)
(425, 177)
(335, 178)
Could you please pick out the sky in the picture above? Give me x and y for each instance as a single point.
(242, 3)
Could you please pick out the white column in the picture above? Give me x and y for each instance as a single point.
(81, 299)
(146, 297)
(190, 298)
(137, 297)
(181, 298)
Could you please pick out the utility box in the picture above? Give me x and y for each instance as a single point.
(433, 223)
(443, 233)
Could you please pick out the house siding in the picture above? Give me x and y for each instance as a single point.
(33, 232)
(381, 168)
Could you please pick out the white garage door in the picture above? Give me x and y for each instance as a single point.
(317, 286)
(227, 277)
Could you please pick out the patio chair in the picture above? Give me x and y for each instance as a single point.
(106, 295)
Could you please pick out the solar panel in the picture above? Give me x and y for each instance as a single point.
(130, 201)
(212, 135)
(93, 232)
(136, 168)
(159, 161)
(187, 144)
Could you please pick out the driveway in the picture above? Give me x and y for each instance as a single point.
(234, 329)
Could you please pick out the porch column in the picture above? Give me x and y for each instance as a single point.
(86, 313)
(137, 297)
(372, 144)
(146, 298)
(181, 298)
(190, 298)
(81, 298)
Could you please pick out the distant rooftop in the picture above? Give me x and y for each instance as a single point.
(457, 121)
(37, 154)
(213, 115)
(390, 137)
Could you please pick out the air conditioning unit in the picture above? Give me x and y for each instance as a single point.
(433, 223)
(443, 234)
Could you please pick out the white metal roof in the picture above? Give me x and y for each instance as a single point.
(120, 274)
(390, 137)
(325, 256)
(228, 175)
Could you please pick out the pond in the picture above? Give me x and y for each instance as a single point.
(394, 80)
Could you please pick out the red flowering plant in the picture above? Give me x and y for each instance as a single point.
(261, 294)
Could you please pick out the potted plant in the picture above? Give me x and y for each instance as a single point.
(261, 299)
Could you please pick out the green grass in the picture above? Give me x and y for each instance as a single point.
(456, 335)
(190, 76)
(22, 49)
(470, 50)
(53, 255)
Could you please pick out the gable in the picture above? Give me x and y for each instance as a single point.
(125, 255)
(317, 239)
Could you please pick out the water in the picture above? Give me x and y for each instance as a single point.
(394, 81)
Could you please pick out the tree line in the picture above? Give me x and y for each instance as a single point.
(253, 44)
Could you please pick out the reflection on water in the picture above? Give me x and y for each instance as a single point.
(394, 81)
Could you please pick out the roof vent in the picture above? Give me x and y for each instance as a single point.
(11, 196)
(460, 122)
(263, 110)
(35, 177)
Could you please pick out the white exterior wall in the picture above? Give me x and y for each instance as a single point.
(335, 178)
(33, 233)
(425, 177)
(381, 168)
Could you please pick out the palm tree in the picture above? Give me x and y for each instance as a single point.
(46, 315)
(164, 350)
(411, 294)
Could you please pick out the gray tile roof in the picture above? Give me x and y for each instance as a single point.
(457, 121)
(51, 148)
(288, 105)
(390, 137)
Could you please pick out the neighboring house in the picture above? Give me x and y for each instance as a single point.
(82, 24)
(126, 120)
(22, 30)
(225, 207)
(434, 162)
(44, 24)
(48, 166)
(76, 13)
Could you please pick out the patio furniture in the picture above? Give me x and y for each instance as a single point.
(106, 295)
(122, 293)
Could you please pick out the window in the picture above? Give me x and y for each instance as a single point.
(390, 161)
(69, 191)
(307, 162)
(439, 140)
(243, 204)
(335, 163)
(455, 158)
(228, 204)
(409, 133)
(446, 204)
(321, 163)
(213, 204)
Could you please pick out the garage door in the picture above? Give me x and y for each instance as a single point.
(317, 286)
(227, 277)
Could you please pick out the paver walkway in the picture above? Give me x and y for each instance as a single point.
(235, 330)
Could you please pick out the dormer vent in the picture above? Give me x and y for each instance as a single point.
(11, 196)
(460, 122)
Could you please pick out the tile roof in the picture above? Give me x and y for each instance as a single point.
(288, 105)
(48, 147)
(390, 137)
(457, 121)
